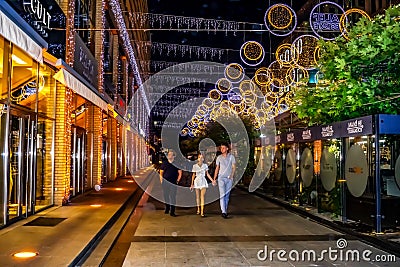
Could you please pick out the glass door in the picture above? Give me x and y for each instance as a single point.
(22, 166)
(78, 161)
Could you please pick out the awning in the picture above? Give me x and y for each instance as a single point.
(13, 33)
(72, 82)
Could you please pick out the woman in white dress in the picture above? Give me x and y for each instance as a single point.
(199, 182)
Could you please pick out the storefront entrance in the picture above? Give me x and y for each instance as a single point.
(22, 177)
(78, 161)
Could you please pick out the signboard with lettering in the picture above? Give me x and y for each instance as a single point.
(357, 127)
(85, 63)
(47, 19)
(325, 20)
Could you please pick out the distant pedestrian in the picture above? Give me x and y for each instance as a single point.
(170, 176)
(199, 182)
(225, 170)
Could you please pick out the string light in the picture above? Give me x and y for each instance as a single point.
(279, 74)
(115, 6)
(285, 54)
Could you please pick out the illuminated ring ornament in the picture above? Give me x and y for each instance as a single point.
(252, 53)
(305, 46)
(344, 20)
(246, 85)
(263, 76)
(286, 55)
(234, 72)
(279, 18)
(235, 97)
(223, 85)
(215, 96)
(279, 73)
(295, 75)
(208, 103)
(184, 131)
(327, 23)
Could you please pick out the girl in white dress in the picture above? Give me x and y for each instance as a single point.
(199, 182)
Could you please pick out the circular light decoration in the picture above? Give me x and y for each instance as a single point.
(223, 85)
(279, 73)
(326, 25)
(235, 97)
(317, 55)
(282, 106)
(252, 53)
(215, 96)
(234, 72)
(286, 55)
(305, 46)
(280, 19)
(208, 103)
(249, 98)
(346, 20)
(262, 76)
(191, 124)
(296, 75)
(237, 108)
(246, 85)
(184, 131)
(203, 109)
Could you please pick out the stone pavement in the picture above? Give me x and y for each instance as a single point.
(254, 224)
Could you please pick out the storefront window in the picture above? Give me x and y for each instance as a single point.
(46, 92)
(24, 79)
(3, 71)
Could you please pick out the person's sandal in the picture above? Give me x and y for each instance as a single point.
(202, 215)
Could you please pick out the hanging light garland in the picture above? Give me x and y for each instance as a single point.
(183, 50)
(161, 21)
(116, 9)
(305, 47)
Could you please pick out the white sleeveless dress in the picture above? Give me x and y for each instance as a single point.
(200, 181)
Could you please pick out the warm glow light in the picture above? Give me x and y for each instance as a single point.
(18, 60)
(25, 254)
(119, 189)
(130, 181)
(341, 180)
(95, 205)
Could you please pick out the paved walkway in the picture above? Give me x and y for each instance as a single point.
(254, 224)
(76, 226)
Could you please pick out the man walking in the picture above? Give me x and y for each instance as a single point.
(225, 169)
(170, 176)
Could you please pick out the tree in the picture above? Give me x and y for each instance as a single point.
(360, 75)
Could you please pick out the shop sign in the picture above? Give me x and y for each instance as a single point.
(84, 62)
(277, 139)
(290, 137)
(306, 134)
(357, 127)
(326, 24)
(327, 131)
(40, 15)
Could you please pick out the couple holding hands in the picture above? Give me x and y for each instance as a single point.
(224, 171)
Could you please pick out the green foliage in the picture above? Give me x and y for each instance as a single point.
(360, 75)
